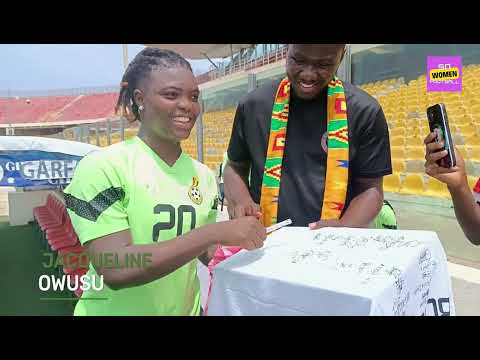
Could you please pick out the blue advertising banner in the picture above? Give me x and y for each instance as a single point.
(31, 161)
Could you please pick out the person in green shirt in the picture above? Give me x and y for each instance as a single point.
(145, 197)
(386, 218)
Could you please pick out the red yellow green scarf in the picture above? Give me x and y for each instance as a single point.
(336, 181)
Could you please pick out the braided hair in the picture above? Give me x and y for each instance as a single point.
(146, 61)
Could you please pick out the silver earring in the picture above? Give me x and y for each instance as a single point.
(140, 108)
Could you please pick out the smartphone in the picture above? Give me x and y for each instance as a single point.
(438, 122)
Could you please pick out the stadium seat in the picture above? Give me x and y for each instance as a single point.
(93, 106)
(436, 188)
(470, 102)
(64, 237)
(391, 183)
(42, 211)
(51, 215)
(474, 153)
(398, 165)
(413, 131)
(412, 184)
(398, 152)
(415, 153)
(463, 129)
(472, 140)
(397, 141)
(398, 131)
(475, 109)
(457, 119)
(39, 109)
(413, 141)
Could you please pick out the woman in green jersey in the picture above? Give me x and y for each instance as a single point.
(143, 209)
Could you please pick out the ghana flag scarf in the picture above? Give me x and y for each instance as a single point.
(336, 181)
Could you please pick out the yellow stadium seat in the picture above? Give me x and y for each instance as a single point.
(413, 131)
(451, 95)
(397, 140)
(475, 153)
(475, 109)
(461, 120)
(414, 141)
(398, 165)
(392, 124)
(456, 103)
(398, 131)
(391, 183)
(397, 152)
(471, 102)
(436, 188)
(412, 107)
(415, 153)
(453, 105)
(412, 184)
(473, 140)
(465, 119)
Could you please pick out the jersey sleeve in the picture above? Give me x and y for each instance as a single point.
(96, 199)
(373, 158)
(213, 198)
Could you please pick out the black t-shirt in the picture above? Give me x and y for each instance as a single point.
(304, 161)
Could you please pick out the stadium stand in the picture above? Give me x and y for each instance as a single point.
(413, 184)
(391, 183)
(217, 127)
(436, 188)
(89, 107)
(56, 108)
(32, 110)
(404, 105)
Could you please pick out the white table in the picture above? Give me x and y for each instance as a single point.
(336, 271)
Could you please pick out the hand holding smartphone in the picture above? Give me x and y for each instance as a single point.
(438, 122)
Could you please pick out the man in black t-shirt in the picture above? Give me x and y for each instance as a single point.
(310, 67)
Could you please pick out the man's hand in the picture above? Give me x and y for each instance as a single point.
(325, 223)
(246, 232)
(454, 177)
(250, 209)
(240, 202)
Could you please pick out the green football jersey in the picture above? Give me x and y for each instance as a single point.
(386, 218)
(127, 186)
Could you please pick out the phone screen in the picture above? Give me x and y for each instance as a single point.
(439, 133)
(437, 118)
